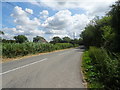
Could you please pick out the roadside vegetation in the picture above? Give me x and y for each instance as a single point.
(101, 69)
(11, 50)
(21, 46)
(89, 71)
(101, 60)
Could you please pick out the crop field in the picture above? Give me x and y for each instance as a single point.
(10, 50)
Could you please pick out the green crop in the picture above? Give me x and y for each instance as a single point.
(10, 50)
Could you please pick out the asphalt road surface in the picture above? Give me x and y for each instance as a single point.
(52, 70)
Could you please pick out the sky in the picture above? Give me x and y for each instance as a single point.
(50, 18)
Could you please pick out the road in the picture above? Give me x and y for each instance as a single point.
(52, 70)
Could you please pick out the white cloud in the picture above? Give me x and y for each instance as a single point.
(80, 21)
(63, 23)
(64, 20)
(29, 10)
(22, 18)
(60, 20)
(56, 32)
(92, 7)
(24, 25)
(44, 14)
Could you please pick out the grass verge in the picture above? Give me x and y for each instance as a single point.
(89, 72)
(101, 68)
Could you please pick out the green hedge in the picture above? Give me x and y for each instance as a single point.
(15, 49)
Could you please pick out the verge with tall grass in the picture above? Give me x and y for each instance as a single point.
(101, 68)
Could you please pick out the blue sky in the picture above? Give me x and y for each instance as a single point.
(7, 9)
(49, 19)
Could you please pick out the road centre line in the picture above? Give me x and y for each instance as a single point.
(23, 66)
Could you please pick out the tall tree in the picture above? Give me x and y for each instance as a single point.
(39, 39)
(66, 39)
(115, 13)
(20, 38)
(92, 36)
(56, 40)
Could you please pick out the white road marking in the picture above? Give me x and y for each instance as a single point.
(23, 66)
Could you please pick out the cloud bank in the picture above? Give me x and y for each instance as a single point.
(62, 23)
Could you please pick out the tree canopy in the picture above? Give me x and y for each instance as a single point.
(39, 39)
(66, 39)
(56, 40)
(20, 38)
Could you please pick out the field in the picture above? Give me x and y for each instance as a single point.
(10, 50)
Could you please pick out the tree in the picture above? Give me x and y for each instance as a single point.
(20, 38)
(39, 39)
(66, 39)
(56, 40)
(92, 36)
(1, 32)
(80, 41)
(104, 32)
(115, 13)
(75, 41)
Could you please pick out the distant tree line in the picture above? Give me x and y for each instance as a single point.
(23, 38)
(66, 40)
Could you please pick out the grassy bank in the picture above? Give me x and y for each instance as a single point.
(11, 50)
(101, 69)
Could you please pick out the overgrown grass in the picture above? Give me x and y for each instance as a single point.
(102, 69)
(11, 50)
